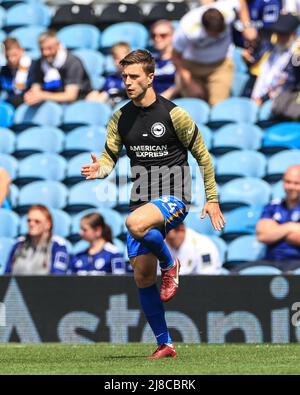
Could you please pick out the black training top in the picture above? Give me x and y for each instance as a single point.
(157, 139)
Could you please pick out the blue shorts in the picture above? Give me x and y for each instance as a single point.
(174, 212)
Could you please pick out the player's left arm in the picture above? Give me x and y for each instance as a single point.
(189, 135)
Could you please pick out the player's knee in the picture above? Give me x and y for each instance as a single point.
(142, 280)
(135, 227)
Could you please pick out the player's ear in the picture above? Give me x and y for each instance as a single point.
(150, 78)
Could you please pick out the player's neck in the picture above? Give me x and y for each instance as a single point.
(148, 99)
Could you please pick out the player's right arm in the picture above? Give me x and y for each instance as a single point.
(102, 167)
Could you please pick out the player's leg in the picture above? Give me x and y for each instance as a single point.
(146, 224)
(145, 267)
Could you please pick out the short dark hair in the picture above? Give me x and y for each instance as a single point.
(140, 56)
(213, 20)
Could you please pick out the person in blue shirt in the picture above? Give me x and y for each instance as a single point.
(101, 257)
(39, 252)
(4, 188)
(279, 226)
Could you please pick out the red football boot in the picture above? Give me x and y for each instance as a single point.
(169, 281)
(164, 351)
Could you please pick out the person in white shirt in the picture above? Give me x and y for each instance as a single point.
(201, 54)
(197, 253)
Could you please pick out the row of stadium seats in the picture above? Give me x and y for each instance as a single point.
(52, 166)
(231, 110)
(20, 13)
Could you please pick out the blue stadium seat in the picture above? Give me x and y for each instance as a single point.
(45, 114)
(224, 272)
(203, 226)
(121, 104)
(111, 217)
(241, 221)
(221, 245)
(28, 14)
(240, 163)
(9, 223)
(278, 191)
(83, 113)
(123, 168)
(28, 36)
(240, 64)
(246, 191)
(234, 109)
(239, 83)
(197, 108)
(74, 165)
(61, 223)
(280, 137)
(39, 139)
(2, 16)
(244, 249)
(80, 246)
(265, 111)
(278, 164)
(206, 134)
(43, 166)
(90, 194)
(6, 244)
(13, 195)
(80, 36)
(7, 141)
(260, 270)
(132, 32)
(10, 164)
(236, 136)
(85, 138)
(123, 198)
(296, 271)
(7, 113)
(52, 194)
(94, 64)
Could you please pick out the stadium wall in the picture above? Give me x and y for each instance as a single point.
(212, 309)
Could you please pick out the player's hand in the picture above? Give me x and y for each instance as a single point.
(215, 214)
(90, 170)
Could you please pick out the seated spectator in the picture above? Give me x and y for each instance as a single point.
(277, 69)
(279, 227)
(4, 188)
(197, 253)
(16, 75)
(164, 78)
(39, 252)
(113, 90)
(201, 52)
(58, 75)
(101, 257)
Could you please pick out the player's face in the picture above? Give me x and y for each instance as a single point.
(291, 183)
(136, 81)
(89, 234)
(38, 224)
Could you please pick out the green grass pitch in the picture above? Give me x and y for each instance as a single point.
(130, 359)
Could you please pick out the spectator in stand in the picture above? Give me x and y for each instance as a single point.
(164, 78)
(279, 227)
(58, 75)
(113, 90)
(4, 188)
(202, 45)
(197, 253)
(101, 257)
(277, 70)
(15, 77)
(39, 252)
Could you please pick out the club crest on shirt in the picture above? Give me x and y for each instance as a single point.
(158, 129)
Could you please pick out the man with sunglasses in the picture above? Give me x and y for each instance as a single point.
(164, 79)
